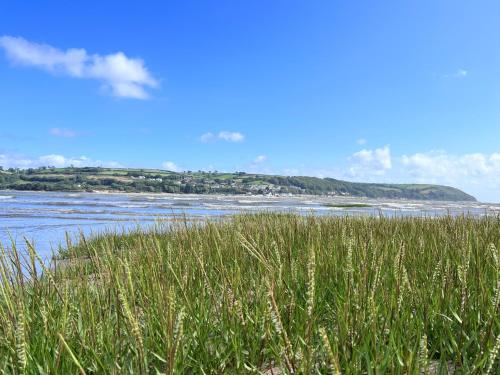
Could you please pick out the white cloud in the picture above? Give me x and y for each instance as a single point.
(62, 132)
(361, 141)
(171, 166)
(260, 159)
(124, 76)
(224, 136)
(231, 136)
(437, 167)
(258, 166)
(460, 73)
(21, 161)
(208, 137)
(367, 163)
(466, 169)
(474, 173)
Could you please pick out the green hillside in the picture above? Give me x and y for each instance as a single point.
(160, 181)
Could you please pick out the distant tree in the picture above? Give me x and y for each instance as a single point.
(187, 189)
(107, 181)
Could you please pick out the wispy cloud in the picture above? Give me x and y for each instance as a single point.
(123, 76)
(231, 136)
(224, 136)
(258, 165)
(171, 166)
(460, 73)
(208, 137)
(9, 160)
(63, 132)
(15, 137)
(361, 141)
(260, 159)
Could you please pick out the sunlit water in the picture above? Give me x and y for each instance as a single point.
(44, 218)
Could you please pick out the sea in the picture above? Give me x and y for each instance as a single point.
(47, 219)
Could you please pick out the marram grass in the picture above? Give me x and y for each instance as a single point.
(295, 294)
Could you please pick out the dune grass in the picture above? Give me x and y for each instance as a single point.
(302, 294)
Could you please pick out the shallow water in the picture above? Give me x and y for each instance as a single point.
(45, 217)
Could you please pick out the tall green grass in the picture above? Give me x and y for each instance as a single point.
(301, 294)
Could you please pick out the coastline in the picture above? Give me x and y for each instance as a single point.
(263, 196)
(106, 180)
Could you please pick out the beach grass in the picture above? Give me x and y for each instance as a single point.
(263, 293)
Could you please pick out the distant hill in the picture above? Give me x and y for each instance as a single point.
(160, 181)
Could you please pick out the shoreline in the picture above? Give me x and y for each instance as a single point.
(264, 196)
(103, 180)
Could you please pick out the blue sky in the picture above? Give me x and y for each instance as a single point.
(366, 91)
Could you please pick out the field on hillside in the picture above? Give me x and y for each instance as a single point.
(265, 293)
(93, 179)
